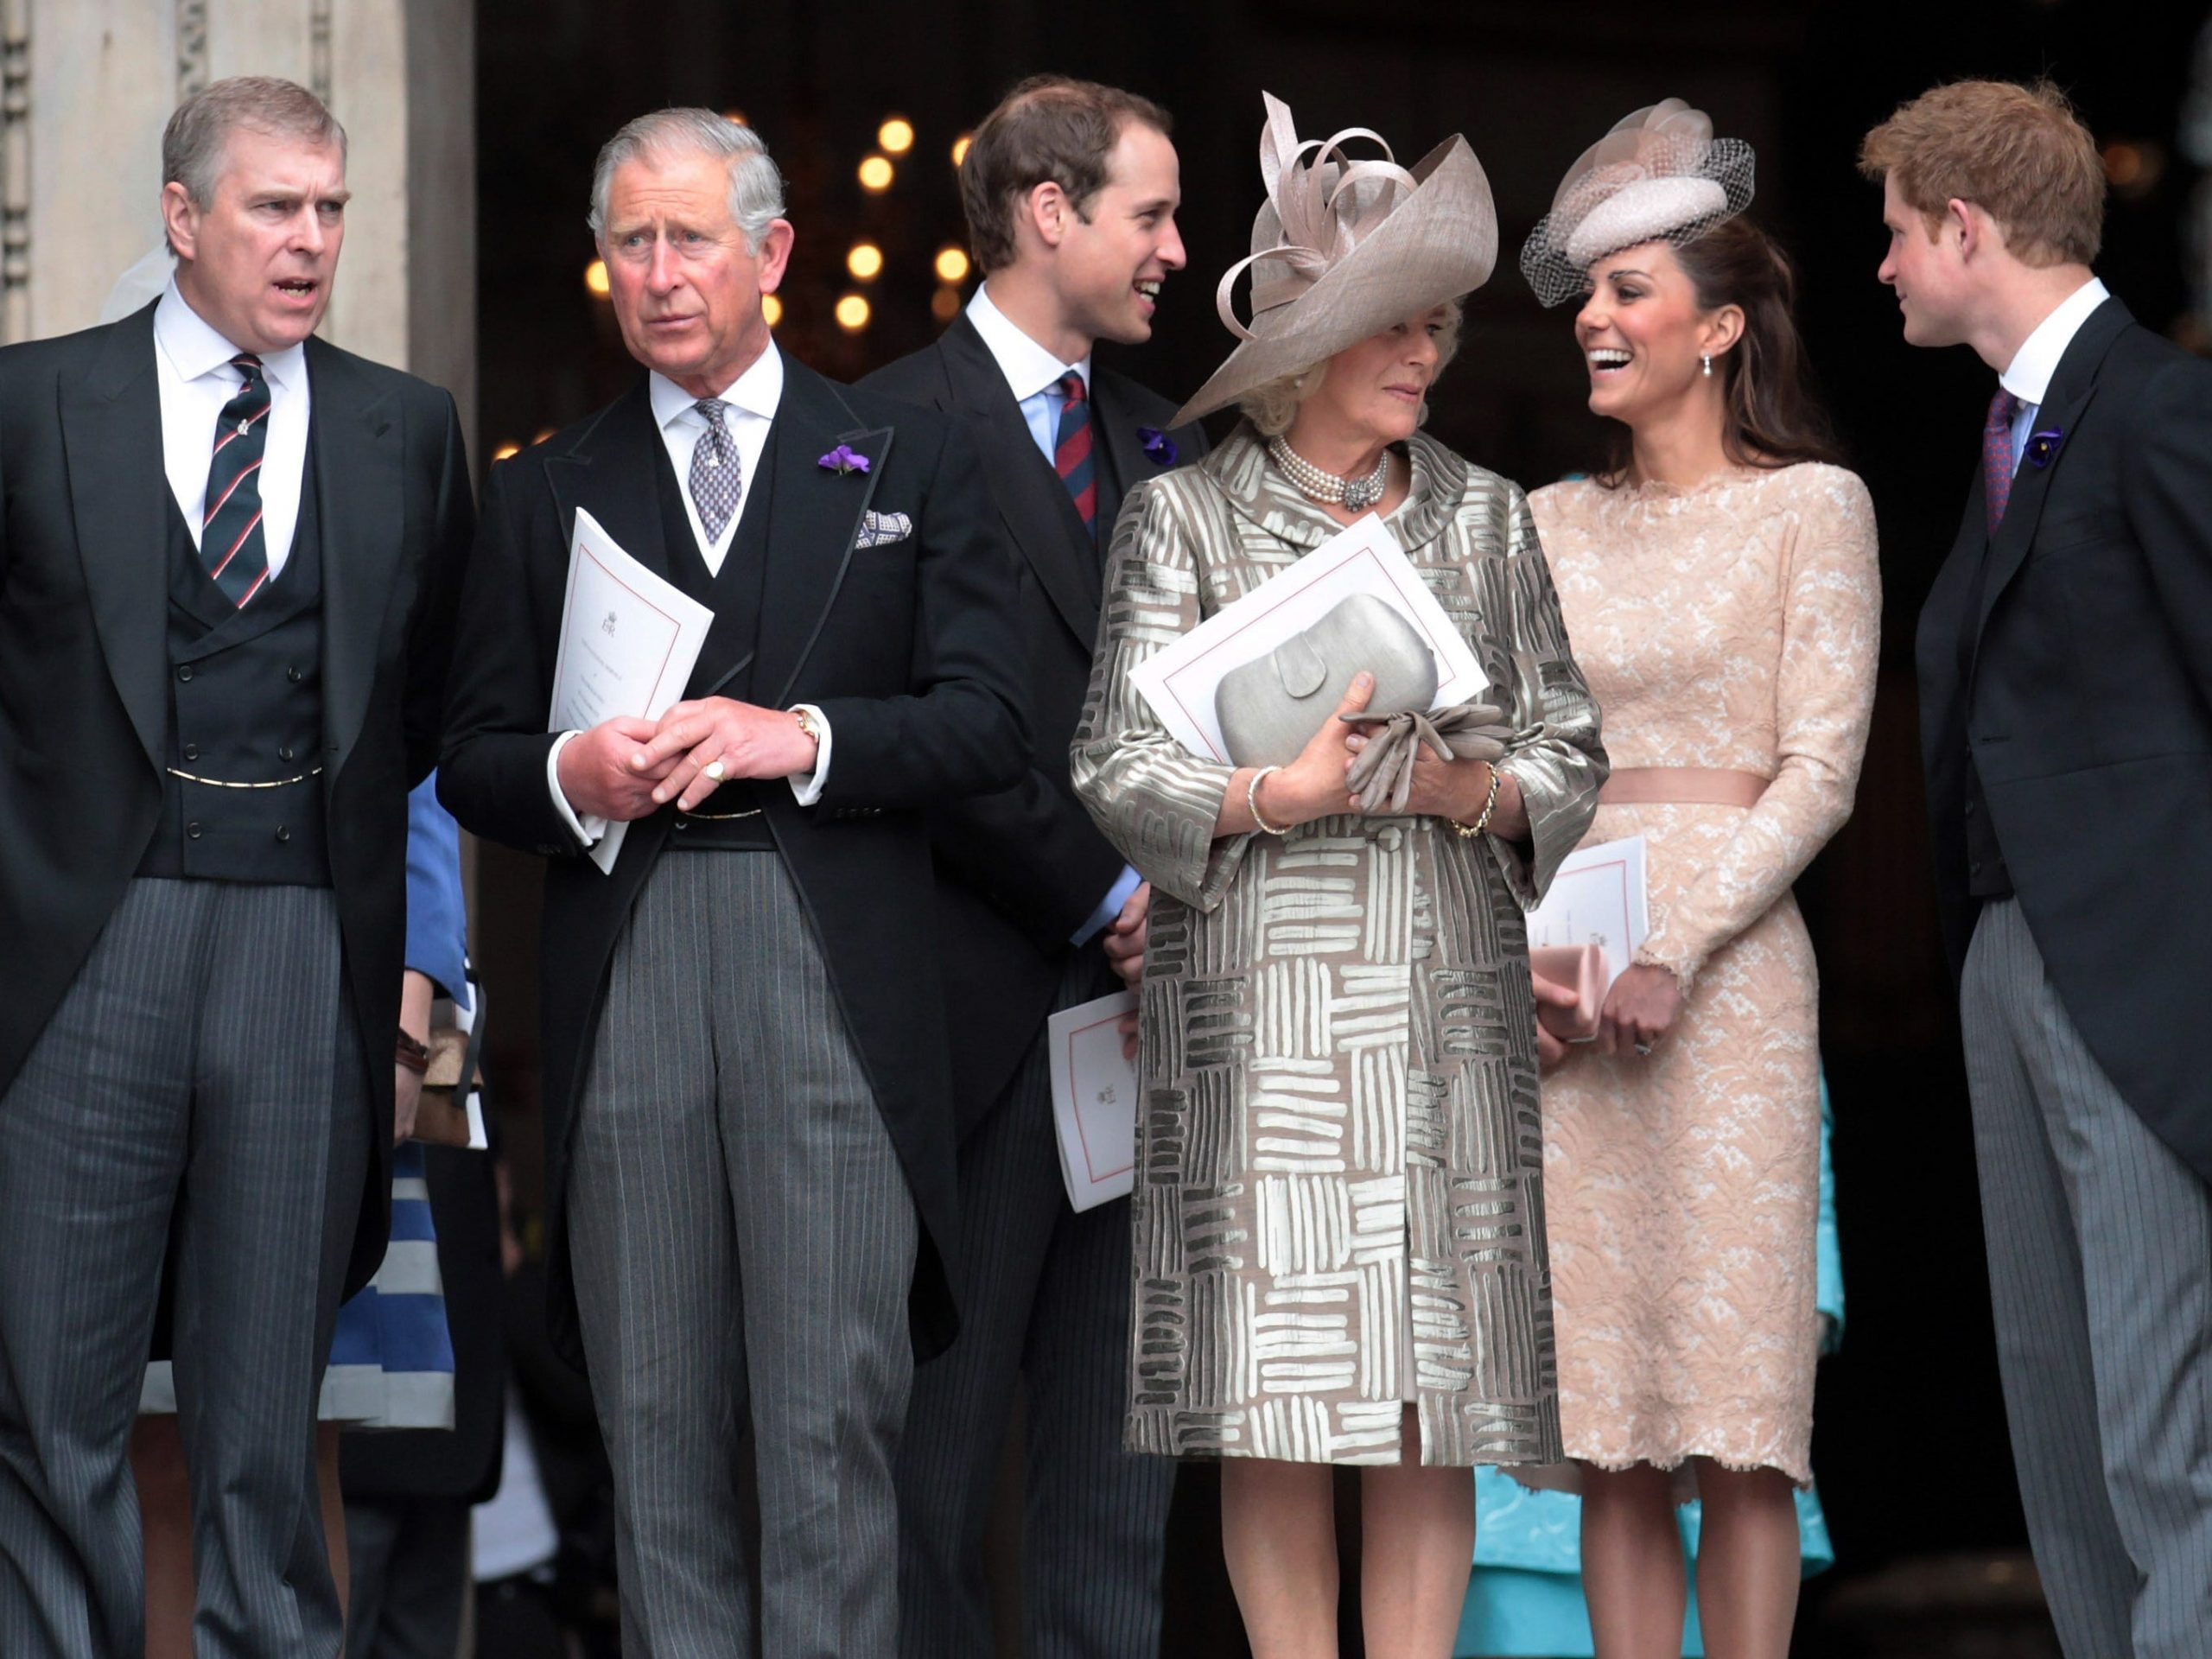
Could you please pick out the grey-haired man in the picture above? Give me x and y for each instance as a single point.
(749, 1135)
(229, 554)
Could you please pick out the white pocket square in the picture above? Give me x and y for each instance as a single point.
(879, 528)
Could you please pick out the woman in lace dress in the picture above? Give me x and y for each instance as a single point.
(1720, 584)
(1337, 1220)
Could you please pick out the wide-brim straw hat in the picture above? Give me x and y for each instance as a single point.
(1659, 175)
(1342, 248)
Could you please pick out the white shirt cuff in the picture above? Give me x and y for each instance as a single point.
(588, 828)
(807, 786)
(1109, 906)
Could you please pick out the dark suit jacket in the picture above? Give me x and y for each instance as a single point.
(83, 658)
(1021, 871)
(906, 648)
(2087, 709)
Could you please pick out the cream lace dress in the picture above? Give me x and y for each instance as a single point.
(1732, 624)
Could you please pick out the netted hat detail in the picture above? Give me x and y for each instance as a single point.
(1659, 173)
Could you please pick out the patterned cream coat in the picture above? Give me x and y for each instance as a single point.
(1339, 1202)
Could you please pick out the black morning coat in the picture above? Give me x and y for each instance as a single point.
(1022, 871)
(84, 663)
(2087, 709)
(907, 647)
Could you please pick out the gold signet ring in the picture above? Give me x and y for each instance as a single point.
(712, 769)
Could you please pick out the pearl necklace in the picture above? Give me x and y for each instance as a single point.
(1357, 493)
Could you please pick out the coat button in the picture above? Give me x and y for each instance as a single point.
(1973, 866)
(291, 674)
(283, 834)
(681, 823)
(184, 672)
(192, 750)
(1969, 808)
(285, 753)
(192, 830)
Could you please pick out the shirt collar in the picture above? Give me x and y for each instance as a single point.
(194, 348)
(1027, 367)
(756, 391)
(2027, 377)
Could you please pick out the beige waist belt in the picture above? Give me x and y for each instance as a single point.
(1681, 786)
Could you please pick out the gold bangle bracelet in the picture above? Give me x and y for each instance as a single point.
(1469, 831)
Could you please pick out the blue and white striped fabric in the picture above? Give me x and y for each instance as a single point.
(392, 1357)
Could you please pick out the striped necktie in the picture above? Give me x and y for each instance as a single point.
(232, 549)
(1997, 454)
(1071, 452)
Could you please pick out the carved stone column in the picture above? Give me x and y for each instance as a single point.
(86, 85)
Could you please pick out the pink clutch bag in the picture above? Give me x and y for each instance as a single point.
(1581, 967)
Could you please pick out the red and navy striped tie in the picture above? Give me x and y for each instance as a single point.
(231, 545)
(1071, 454)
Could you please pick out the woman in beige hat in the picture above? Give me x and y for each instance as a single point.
(1719, 578)
(1338, 1215)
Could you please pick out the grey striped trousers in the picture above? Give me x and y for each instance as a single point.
(743, 1241)
(2101, 1271)
(203, 1061)
(1045, 1298)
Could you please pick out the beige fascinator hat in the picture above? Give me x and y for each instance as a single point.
(1659, 173)
(1342, 248)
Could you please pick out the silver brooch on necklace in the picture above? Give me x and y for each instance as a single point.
(1357, 493)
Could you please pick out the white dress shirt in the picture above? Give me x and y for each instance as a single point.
(2027, 377)
(1033, 375)
(192, 368)
(753, 399)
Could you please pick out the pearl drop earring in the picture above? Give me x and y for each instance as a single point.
(1707, 362)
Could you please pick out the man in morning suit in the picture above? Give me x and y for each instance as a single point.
(228, 555)
(1071, 190)
(2065, 656)
(749, 1125)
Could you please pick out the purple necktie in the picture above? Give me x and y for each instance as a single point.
(1997, 454)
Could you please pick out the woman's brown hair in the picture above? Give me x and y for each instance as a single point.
(1770, 416)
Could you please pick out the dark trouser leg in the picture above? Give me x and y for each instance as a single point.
(826, 1237)
(422, 1577)
(1011, 1198)
(279, 1155)
(655, 1264)
(92, 1135)
(2101, 1269)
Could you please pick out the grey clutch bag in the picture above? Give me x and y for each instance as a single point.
(1270, 708)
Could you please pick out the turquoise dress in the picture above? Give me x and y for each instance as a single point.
(1524, 1597)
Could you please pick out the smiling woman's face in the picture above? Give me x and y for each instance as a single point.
(1373, 391)
(1641, 332)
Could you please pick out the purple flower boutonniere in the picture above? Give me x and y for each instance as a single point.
(2042, 446)
(1157, 445)
(844, 459)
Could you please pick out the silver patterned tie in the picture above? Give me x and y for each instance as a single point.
(717, 477)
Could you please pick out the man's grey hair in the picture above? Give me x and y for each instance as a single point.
(193, 143)
(756, 188)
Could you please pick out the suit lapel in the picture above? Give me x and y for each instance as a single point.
(355, 443)
(1127, 463)
(819, 512)
(2072, 386)
(111, 435)
(610, 472)
(1031, 500)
